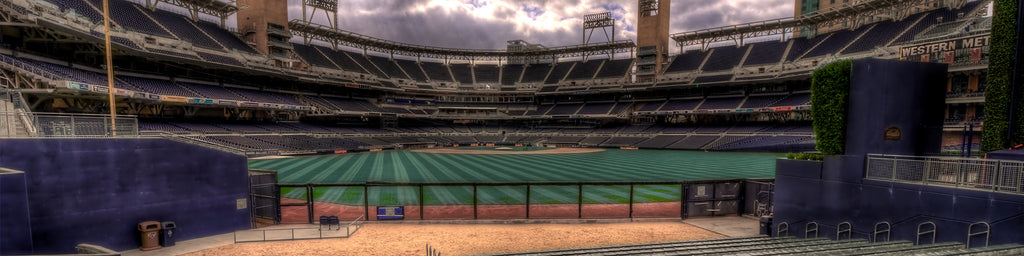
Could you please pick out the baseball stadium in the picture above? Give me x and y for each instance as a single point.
(274, 127)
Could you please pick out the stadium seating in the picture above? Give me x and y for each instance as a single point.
(184, 29)
(761, 101)
(215, 58)
(486, 74)
(596, 108)
(225, 37)
(511, 73)
(559, 72)
(390, 69)
(342, 60)
(158, 86)
(723, 58)
(879, 35)
(79, 7)
(769, 52)
(674, 105)
(800, 45)
(128, 15)
(835, 42)
(312, 56)
(213, 92)
(615, 68)
(620, 107)
(366, 64)
(536, 73)
(564, 109)
(794, 100)
(688, 61)
(412, 69)
(437, 72)
(462, 73)
(713, 79)
(585, 70)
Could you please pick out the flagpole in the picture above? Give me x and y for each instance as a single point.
(110, 67)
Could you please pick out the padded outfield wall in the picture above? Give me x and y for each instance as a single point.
(833, 191)
(97, 190)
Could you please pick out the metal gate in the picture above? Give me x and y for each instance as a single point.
(265, 197)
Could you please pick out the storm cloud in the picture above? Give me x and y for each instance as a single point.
(488, 24)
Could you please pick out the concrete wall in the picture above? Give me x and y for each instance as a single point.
(96, 190)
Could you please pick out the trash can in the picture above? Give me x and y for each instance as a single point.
(167, 233)
(150, 238)
(766, 225)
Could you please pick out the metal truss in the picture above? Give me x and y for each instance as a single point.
(338, 37)
(853, 15)
(218, 8)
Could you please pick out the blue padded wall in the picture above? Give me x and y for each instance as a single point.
(882, 95)
(15, 232)
(801, 197)
(96, 190)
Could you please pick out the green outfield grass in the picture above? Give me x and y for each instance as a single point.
(612, 165)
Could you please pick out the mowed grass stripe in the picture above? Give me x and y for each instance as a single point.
(529, 169)
(501, 195)
(605, 194)
(428, 176)
(274, 164)
(495, 170)
(451, 161)
(598, 169)
(449, 175)
(307, 172)
(352, 173)
(322, 174)
(550, 194)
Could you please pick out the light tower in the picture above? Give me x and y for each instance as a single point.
(652, 39)
(603, 21)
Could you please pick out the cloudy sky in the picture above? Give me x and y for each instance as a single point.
(488, 24)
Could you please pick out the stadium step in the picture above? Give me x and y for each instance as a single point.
(606, 249)
(911, 249)
(702, 249)
(1010, 249)
(851, 249)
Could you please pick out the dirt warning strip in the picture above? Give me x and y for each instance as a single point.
(470, 239)
(510, 152)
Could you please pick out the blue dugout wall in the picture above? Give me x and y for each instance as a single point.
(96, 191)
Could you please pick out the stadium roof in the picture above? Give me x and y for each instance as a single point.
(850, 13)
(347, 38)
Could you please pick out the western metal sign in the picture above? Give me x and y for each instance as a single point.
(944, 46)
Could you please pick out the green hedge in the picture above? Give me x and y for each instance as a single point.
(1000, 68)
(806, 156)
(830, 96)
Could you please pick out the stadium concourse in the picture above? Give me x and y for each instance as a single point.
(195, 99)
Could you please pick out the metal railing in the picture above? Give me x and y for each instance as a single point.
(284, 234)
(965, 173)
(24, 124)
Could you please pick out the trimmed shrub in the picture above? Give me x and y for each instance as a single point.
(830, 96)
(1000, 70)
